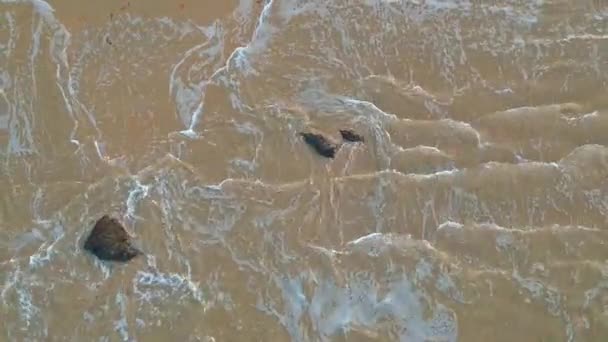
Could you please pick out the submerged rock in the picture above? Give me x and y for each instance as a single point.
(351, 136)
(110, 241)
(320, 144)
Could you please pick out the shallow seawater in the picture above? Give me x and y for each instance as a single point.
(475, 210)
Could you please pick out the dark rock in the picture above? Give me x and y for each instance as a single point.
(351, 136)
(320, 144)
(110, 241)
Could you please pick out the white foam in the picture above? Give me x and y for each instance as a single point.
(538, 290)
(146, 284)
(5, 116)
(27, 308)
(334, 309)
(42, 7)
(188, 96)
(45, 253)
(121, 325)
(450, 225)
(11, 281)
(189, 133)
(194, 121)
(137, 194)
(373, 237)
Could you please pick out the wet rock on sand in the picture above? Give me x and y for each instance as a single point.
(324, 146)
(320, 144)
(351, 136)
(110, 241)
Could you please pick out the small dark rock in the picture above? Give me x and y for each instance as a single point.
(351, 136)
(320, 144)
(110, 241)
